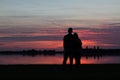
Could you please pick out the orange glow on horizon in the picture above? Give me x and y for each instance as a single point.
(89, 43)
(44, 44)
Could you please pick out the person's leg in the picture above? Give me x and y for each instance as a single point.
(71, 60)
(77, 60)
(80, 59)
(65, 59)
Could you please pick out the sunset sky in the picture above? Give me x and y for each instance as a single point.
(42, 24)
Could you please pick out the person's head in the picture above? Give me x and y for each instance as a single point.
(70, 30)
(75, 35)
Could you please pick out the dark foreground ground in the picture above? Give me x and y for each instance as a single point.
(98, 71)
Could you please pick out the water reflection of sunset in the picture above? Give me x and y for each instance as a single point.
(58, 59)
(85, 61)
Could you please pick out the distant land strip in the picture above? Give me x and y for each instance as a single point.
(85, 52)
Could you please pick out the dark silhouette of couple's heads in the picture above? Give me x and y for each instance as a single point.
(70, 31)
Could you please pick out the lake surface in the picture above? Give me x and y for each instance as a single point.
(57, 59)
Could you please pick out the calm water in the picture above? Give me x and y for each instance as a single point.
(19, 59)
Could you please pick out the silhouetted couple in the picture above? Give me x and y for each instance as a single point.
(72, 47)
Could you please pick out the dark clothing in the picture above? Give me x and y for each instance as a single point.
(77, 50)
(68, 48)
(68, 41)
(72, 48)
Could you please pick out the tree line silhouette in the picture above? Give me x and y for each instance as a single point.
(31, 52)
(85, 52)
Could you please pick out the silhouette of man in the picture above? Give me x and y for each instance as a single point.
(68, 46)
(77, 48)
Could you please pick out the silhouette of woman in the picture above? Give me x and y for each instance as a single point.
(77, 48)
